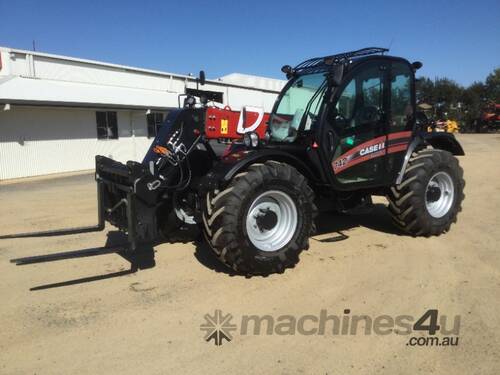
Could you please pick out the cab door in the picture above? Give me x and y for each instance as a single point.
(401, 116)
(355, 128)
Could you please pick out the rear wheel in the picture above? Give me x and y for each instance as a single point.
(262, 221)
(429, 198)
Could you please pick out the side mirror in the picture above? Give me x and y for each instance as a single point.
(335, 76)
(288, 70)
(201, 78)
(416, 65)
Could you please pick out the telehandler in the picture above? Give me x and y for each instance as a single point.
(343, 128)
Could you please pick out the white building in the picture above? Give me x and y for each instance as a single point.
(58, 112)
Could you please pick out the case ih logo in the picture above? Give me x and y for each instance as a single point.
(218, 327)
(374, 148)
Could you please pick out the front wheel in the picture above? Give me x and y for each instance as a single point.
(262, 221)
(430, 196)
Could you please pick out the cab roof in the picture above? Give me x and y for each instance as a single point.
(321, 64)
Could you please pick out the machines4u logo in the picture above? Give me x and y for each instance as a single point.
(430, 329)
(218, 327)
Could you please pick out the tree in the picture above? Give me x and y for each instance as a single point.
(425, 90)
(447, 93)
(473, 99)
(493, 86)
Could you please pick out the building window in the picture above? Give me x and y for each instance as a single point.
(154, 119)
(107, 125)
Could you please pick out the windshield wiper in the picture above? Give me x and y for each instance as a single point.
(309, 104)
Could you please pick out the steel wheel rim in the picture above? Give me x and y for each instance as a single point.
(281, 208)
(443, 183)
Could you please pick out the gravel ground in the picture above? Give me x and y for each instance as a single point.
(96, 315)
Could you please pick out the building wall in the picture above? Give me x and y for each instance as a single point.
(51, 125)
(43, 140)
(237, 97)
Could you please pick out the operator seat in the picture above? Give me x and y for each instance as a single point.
(367, 115)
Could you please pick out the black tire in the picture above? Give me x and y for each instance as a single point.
(407, 201)
(173, 229)
(225, 213)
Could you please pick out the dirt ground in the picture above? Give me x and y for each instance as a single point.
(95, 315)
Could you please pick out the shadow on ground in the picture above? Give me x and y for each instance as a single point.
(327, 223)
(142, 259)
(376, 218)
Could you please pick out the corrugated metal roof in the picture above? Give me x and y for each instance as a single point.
(94, 62)
(30, 77)
(234, 79)
(254, 81)
(20, 90)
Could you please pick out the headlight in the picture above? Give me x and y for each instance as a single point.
(251, 139)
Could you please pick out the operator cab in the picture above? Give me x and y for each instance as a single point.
(357, 108)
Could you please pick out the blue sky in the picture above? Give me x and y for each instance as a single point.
(456, 39)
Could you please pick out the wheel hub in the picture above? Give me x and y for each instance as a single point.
(433, 193)
(271, 220)
(266, 219)
(439, 194)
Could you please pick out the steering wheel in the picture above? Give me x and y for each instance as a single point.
(368, 114)
(340, 117)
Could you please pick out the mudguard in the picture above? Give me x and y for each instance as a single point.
(441, 141)
(234, 163)
(444, 141)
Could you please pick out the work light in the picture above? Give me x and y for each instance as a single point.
(251, 139)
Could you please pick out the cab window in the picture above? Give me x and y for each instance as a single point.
(360, 103)
(401, 99)
(301, 96)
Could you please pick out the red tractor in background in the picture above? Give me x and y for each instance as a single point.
(489, 121)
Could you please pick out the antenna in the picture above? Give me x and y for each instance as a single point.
(390, 44)
(34, 45)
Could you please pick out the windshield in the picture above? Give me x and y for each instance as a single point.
(305, 94)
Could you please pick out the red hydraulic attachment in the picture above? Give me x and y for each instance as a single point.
(226, 124)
